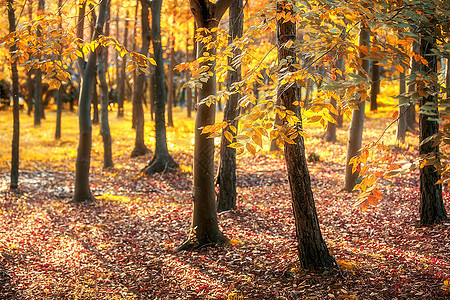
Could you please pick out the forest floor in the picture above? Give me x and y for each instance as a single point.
(121, 246)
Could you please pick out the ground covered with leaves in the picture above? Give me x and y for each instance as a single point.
(122, 245)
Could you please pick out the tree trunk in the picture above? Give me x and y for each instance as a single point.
(104, 99)
(121, 85)
(205, 226)
(411, 113)
(151, 91)
(226, 179)
(139, 145)
(14, 184)
(402, 110)
(432, 209)
(82, 189)
(170, 88)
(375, 85)
(162, 160)
(95, 118)
(187, 78)
(357, 122)
(312, 251)
(58, 93)
(29, 94)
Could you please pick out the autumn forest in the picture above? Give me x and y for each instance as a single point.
(224, 150)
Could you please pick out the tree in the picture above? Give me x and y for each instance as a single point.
(162, 160)
(205, 227)
(38, 106)
(14, 184)
(82, 190)
(121, 84)
(357, 122)
(170, 86)
(104, 99)
(432, 209)
(138, 111)
(312, 250)
(375, 85)
(95, 118)
(226, 179)
(58, 93)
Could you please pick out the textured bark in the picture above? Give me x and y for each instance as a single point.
(226, 179)
(29, 94)
(205, 226)
(38, 105)
(170, 86)
(162, 160)
(312, 251)
(357, 122)
(375, 85)
(432, 209)
(104, 99)
(187, 78)
(82, 189)
(58, 94)
(14, 184)
(411, 122)
(138, 109)
(95, 118)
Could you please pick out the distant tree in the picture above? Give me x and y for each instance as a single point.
(138, 111)
(95, 118)
(432, 209)
(188, 90)
(162, 160)
(58, 95)
(82, 190)
(374, 85)
(38, 105)
(312, 250)
(29, 93)
(205, 227)
(14, 184)
(170, 85)
(121, 85)
(357, 122)
(226, 179)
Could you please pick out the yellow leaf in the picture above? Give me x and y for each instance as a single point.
(251, 148)
(228, 136)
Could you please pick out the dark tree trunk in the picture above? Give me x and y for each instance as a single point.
(273, 143)
(312, 251)
(205, 226)
(37, 97)
(226, 179)
(162, 160)
(411, 122)
(330, 134)
(402, 110)
(135, 109)
(30, 89)
(432, 209)
(357, 122)
(170, 86)
(14, 184)
(139, 145)
(58, 94)
(121, 85)
(104, 99)
(187, 78)
(82, 189)
(95, 118)
(151, 91)
(375, 85)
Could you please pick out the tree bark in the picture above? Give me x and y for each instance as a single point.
(121, 85)
(411, 122)
(226, 179)
(402, 110)
(95, 118)
(187, 78)
(205, 226)
(170, 87)
(14, 184)
(432, 209)
(58, 93)
(30, 98)
(104, 99)
(375, 85)
(139, 144)
(357, 122)
(312, 251)
(162, 160)
(82, 189)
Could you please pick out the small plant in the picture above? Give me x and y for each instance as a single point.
(313, 157)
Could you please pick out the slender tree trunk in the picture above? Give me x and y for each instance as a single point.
(58, 93)
(432, 209)
(411, 113)
(226, 179)
(170, 87)
(104, 99)
(312, 251)
(447, 80)
(14, 184)
(139, 145)
(121, 86)
(95, 118)
(29, 79)
(357, 122)
(135, 109)
(82, 189)
(162, 160)
(402, 110)
(205, 226)
(151, 91)
(375, 85)
(187, 78)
